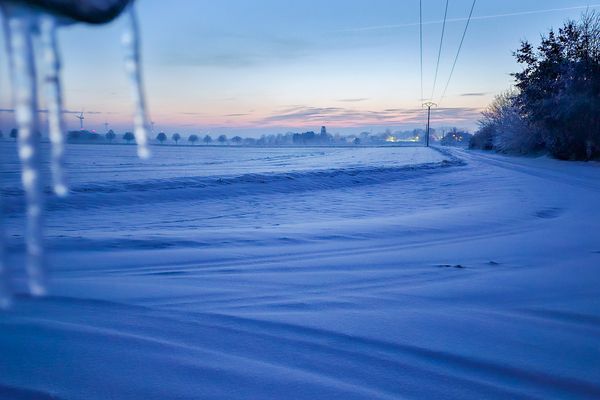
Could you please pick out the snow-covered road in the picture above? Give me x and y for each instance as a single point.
(475, 277)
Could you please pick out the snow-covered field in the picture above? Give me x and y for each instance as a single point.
(324, 273)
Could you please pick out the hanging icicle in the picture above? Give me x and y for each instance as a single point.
(5, 293)
(131, 44)
(22, 24)
(20, 27)
(50, 56)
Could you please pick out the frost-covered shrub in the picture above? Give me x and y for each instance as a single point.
(512, 134)
(483, 139)
(503, 129)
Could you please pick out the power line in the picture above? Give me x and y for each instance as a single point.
(437, 68)
(459, 49)
(421, 42)
(478, 18)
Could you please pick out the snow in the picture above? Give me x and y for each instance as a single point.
(359, 273)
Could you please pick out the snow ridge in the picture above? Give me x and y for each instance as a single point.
(105, 194)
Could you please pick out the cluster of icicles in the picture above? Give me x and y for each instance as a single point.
(22, 27)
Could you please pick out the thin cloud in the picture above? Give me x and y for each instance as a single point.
(79, 112)
(357, 100)
(347, 117)
(474, 94)
(44, 111)
(257, 50)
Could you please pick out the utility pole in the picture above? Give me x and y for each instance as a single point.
(429, 104)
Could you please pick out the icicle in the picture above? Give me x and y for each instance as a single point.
(5, 297)
(131, 43)
(54, 101)
(5, 294)
(25, 99)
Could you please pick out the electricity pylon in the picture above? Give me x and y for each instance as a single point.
(429, 104)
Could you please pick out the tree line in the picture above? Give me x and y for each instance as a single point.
(446, 137)
(193, 139)
(555, 104)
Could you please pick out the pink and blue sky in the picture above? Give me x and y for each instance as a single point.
(268, 66)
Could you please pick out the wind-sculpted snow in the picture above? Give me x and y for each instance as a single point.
(213, 173)
(464, 280)
(107, 194)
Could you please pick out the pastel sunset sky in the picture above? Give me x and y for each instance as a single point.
(268, 66)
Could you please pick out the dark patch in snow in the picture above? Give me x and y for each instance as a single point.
(286, 239)
(165, 273)
(7, 392)
(64, 243)
(549, 213)
(565, 316)
(457, 266)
